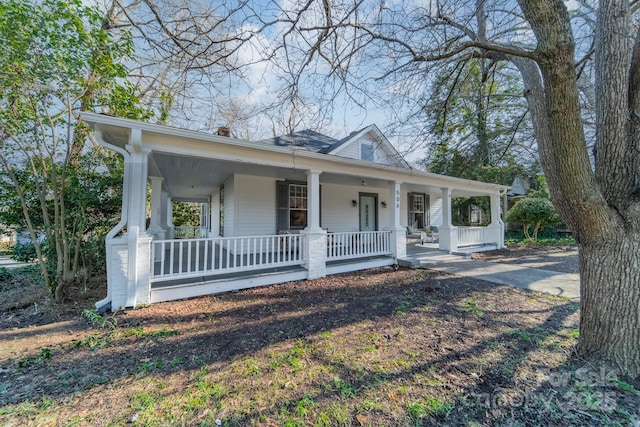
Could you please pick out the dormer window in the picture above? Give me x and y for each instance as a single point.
(366, 152)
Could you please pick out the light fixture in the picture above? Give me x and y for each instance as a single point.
(354, 203)
(384, 204)
(364, 182)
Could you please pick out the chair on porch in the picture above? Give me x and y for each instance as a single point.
(429, 235)
(414, 234)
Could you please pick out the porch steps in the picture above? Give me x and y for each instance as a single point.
(409, 262)
(466, 251)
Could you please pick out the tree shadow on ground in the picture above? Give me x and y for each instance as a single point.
(445, 319)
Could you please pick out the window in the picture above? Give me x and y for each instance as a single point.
(297, 206)
(366, 152)
(418, 212)
(475, 214)
(291, 205)
(221, 215)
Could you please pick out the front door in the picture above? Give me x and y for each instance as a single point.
(368, 212)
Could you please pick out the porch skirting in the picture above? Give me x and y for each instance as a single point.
(172, 292)
(189, 288)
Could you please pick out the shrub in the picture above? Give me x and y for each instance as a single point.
(533, 211)
(24, 252)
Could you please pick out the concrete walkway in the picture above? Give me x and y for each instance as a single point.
(536, 279)
(7, 262)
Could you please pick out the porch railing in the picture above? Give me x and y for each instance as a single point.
(207, 257)
(469, 236)
(358, 244)
(189, 232)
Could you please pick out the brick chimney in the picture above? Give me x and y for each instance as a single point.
(224, 131)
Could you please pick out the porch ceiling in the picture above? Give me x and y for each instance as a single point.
(190, 178)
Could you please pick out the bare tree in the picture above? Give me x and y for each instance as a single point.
(385, 52)
(186, 58)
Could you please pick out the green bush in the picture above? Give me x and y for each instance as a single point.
(24, 252)
(533, 212)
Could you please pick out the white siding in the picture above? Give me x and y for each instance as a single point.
(386, 157)
(435, 209)
(256, 205)
(250, 206)
(384, 214)
(381, 154)
(118, 271)
(338, 212)
(351, 150)
(229, 207)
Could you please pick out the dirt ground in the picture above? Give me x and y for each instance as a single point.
(381, 347)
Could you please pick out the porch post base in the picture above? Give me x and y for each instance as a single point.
(315, 253)
(448, 236)
(143, 271)
(398, 242)
(497, 234)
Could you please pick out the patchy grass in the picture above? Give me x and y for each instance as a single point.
(376, 348)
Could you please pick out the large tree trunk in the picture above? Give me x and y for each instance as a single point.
(599, 205)
(610, 297)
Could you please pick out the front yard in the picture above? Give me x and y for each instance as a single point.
(379, 348)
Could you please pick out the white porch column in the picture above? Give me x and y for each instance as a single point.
(316, 238)
(155, 225)
(139, 242)
(165, 221)
(313, 200)
(448, 234)
(398, 233)
(169, 210)
(205, 218)
(214, 213)
(497, 224)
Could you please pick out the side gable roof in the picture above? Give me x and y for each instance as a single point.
(375, 132)
(519, 187)
(306, 139)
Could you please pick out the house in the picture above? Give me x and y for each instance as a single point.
(295, 207)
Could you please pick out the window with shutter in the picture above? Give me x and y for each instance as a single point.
(418, 210)
(291, 205)
(221, 214)
(282, 206)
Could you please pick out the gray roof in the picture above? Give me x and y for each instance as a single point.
(306, 139)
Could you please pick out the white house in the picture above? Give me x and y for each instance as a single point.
(295, 207)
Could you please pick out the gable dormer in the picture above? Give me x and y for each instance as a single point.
(369, 144)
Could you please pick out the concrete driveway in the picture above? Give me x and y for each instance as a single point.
(561, 284)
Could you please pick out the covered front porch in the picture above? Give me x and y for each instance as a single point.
(268, 214)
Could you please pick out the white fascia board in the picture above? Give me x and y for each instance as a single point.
(195, 144)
